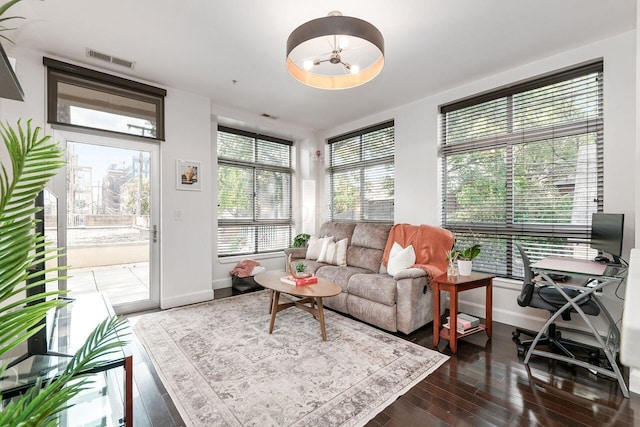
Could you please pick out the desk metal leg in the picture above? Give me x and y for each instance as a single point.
(614, 332)
(571, 302)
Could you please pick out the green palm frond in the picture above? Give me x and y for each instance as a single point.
(6, 6)
(34, 160)
(3, 9)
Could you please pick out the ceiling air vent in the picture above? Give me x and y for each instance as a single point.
(112, 59)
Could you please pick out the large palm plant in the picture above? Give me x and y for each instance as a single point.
(34, 160)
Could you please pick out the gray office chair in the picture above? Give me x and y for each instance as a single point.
(548, 298)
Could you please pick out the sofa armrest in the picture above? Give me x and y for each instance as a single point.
(296, 253)
(414, 301)
(410, 273)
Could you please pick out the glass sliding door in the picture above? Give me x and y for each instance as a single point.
(110, 227)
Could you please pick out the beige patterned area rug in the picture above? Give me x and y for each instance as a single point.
(222, 368)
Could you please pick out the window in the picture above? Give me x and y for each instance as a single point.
(85, 98)
(525, 164)
(361, 175)
(254, 193)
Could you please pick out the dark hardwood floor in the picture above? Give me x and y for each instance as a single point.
(483, 384)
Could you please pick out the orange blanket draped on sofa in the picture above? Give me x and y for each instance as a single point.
(431, 245)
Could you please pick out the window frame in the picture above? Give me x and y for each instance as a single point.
(255, 167)
(62, 72)
(510, 230)
(360, 166)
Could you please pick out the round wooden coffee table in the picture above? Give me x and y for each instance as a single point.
(309, 294)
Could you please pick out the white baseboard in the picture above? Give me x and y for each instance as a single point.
(186, 299)
(634, 380)
(221, 283)
(504, 315)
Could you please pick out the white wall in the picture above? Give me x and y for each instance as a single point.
(186, 244)
(634, 373)
(31, 75)
(417, 186)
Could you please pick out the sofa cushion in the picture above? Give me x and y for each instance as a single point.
(374, 313)
(367, 246)
(366, 258)
(380, 288)
(339, 230)
(338, 275)
(337, 302)
(373, 236)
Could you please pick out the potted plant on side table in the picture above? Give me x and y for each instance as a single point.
(465, 259)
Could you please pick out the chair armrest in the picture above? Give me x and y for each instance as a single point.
(296, 253)
(410, 273)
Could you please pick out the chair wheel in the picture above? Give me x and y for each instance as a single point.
(515, 335)
(520, 351)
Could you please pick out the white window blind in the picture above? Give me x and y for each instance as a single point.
(254, 193)
(361, 175)
(525, 164)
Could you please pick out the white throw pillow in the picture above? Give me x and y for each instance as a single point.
(315, 246)
(335, 253)
(400, 258)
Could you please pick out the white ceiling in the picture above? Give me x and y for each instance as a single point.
(201, 46)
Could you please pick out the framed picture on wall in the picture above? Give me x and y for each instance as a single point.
(188, 175)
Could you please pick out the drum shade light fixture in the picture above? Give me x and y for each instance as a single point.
(335, 52)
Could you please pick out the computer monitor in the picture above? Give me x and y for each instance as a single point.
(606, 235)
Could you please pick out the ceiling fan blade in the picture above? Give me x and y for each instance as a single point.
(319, 56)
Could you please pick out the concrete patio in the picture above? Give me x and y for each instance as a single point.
(122, 283)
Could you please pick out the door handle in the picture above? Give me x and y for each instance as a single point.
(154, 233)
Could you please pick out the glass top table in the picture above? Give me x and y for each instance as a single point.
(67, 329)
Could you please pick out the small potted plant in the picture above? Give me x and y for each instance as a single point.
(465, 258)
(297, 270)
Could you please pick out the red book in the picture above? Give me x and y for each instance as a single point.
(290, 280)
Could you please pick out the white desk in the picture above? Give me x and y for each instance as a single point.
(580, 271)
(630, 342)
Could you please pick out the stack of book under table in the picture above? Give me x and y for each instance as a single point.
(467, 324)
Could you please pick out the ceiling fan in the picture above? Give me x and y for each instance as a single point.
(335, 56)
